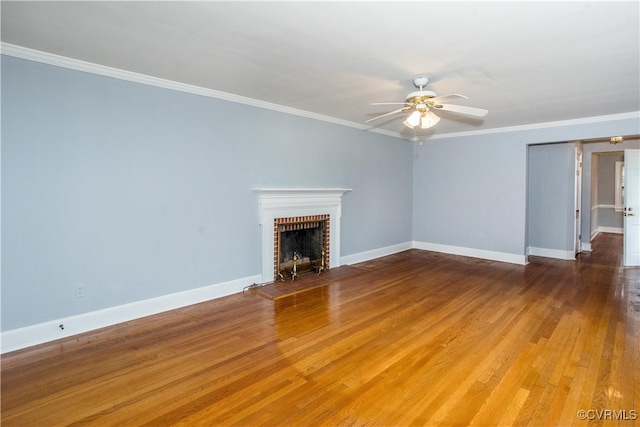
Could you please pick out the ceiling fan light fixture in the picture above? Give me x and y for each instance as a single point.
(413, 120)
(428, 120)
(422, 101)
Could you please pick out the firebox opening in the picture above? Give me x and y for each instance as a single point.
(301, 250)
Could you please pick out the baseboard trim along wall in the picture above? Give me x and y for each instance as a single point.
(375, 253)
(551, 253)
(616, 230)
(471, 252)
(599, 230)
(28, 336)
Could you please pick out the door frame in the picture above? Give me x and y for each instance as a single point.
(577, 226)
(628, 260)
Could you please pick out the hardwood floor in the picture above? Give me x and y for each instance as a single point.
(416, 338)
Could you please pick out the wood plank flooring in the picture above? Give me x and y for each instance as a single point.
(416, 338)
(287, 288)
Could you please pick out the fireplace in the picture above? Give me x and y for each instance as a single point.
(301, 246)
(297, 209)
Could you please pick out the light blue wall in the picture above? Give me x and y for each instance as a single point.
(551, 199)
(135, 191)
(471, 191)
(466, 193)
(606, 178)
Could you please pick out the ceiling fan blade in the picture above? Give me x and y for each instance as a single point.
(389, 103)
(479, 112)
(388, 114)
(447, 98)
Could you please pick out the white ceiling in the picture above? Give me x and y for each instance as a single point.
(526, 62)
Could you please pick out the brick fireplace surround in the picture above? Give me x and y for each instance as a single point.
(280, 205)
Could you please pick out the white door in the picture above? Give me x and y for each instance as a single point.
(578, 200)
(631, 250)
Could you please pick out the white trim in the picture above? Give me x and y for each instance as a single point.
(103, 70)
(375, 253)
(16, 339)
(598, 230)
(615, 230)
(89, 67)
(551, 253)
(602, 206)
(619, 185)
(291, 202)
(471, 252)
(536, 126)
(453, 250)
(577, 205)
(586, 247)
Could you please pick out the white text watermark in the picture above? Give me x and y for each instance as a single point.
(607, 414)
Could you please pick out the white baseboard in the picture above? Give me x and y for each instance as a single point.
(470, 252)
(375, 253)
(551, 253)
(616, 230)
(598, 230)
(16, 339)
(586, 247)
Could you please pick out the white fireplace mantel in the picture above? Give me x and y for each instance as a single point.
(291, 202)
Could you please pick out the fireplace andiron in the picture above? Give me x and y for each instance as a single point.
(321, 268)
(294, 270)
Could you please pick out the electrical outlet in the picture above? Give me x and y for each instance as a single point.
(80, 291)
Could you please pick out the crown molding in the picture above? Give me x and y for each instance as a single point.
(103, 70)
(536, 126)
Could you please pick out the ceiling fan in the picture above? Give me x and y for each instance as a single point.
(422, 102)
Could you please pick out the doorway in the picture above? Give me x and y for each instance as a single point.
(605, 213)
(565, 211)
(553, 201)
(602, 211)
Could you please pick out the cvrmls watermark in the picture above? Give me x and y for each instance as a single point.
(607, 414)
